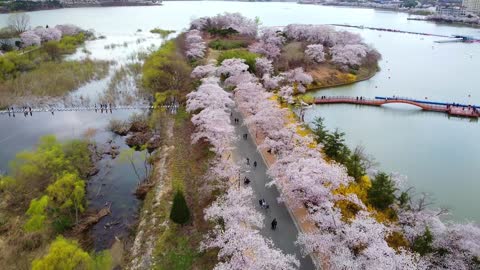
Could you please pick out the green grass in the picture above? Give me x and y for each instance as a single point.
(162, 32)
(225, 44)
(249, 57)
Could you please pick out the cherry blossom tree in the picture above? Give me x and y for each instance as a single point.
(29, 38)
(263, 66)
(299, 77)
(350, 54)
(315, 52)
(286, 92)
(236, 21)
(271, 82)
(47, 34)
(204, 71)
(238, 240)
(69, 29)
(195, 45)
(318, 34)
(214, 126)
(269, 50)
(209, 95)
(345, 38)
(231, 67)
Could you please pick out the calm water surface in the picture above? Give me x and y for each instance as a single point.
(440, 155)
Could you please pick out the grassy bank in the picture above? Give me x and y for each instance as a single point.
(180, 166)
(328, 76)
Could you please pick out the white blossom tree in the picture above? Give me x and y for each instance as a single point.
(69, 29)
(196, 47)
(263, 66)
(204, 71)
(238, 240)
(29, 38)
(315, 52)
(350, 54)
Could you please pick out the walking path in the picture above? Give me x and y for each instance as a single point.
(285, 235)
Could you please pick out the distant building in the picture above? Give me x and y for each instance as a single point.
(450, 8)
(472, 6)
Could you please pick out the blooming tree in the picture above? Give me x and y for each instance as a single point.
(47, 34)
(315, 52)
(204, 71)
(263, 66)
(236, 21)
(238, 240)
(271, 82)
(195, 45)
(350, 55)
(299, 77)
(69, 29)
(232, 67)
(286, 92)
(29, 38)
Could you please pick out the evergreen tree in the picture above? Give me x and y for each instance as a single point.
(381, 194)
(179, 213)
(319, 130)
(423, 244)
(335, 147)
(355, 167)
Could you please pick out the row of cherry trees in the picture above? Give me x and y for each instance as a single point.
(306, 179)
(196, 47)
(345, 48)
(41, 34)
(236, 233)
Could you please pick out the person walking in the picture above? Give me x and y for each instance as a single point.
(248, 161)
(255, 164)
(274, 224)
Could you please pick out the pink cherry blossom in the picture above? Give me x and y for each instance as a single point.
(203, 71)
(315, 52)
(29, 38)
(263, 66)
(68, 29)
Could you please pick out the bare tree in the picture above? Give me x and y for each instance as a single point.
(19, 22)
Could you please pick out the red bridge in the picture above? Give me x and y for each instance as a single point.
(450, 108)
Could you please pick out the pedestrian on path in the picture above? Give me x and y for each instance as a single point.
(246, 181)
(255, 164)
(274, 224)
(248, 161)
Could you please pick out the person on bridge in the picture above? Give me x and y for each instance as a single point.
(274, 224)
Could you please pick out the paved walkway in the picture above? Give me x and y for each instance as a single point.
(286, 233)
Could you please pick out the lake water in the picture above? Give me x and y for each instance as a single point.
(440, 155)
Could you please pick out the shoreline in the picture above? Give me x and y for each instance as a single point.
(370, 75)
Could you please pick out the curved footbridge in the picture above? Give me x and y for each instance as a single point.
(454, 109)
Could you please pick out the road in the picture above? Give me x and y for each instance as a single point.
(285, 235)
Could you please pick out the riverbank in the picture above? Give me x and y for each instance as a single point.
(180, 166)
(330, 77)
